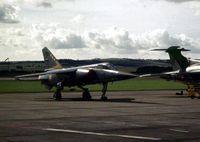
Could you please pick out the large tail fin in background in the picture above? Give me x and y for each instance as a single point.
(176, 57)
(49, 59)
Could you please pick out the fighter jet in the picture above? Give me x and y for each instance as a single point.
(57, 76)
(188, 70)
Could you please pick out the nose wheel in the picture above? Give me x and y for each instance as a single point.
(104, 89)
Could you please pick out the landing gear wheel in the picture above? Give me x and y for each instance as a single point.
(104, 98)
(86, 96)
(192, 97)
(179, 93)
(57, 96)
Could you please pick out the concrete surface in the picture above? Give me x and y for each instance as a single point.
(126, 116)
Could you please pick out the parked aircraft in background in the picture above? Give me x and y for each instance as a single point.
(188, 70)
(57, 76)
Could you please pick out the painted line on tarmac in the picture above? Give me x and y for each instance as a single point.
(103, 134)
(178, 130)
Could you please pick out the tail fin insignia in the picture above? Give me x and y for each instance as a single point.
(50, 60)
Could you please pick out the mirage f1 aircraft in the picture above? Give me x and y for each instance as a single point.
(57, 76)
(188, 70)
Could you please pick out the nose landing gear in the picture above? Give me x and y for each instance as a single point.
(104, 89)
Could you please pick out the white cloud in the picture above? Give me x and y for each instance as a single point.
(8, 13)
(195, 6)
(181, 1)
(113, 42)
(15, 31)
(143, 22)
(57, 37)
(79, 19)
(44, 4)
(39, 3)
(70, 41)
(192, 4)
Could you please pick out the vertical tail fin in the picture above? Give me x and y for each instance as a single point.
(49, 59)
(176, 57)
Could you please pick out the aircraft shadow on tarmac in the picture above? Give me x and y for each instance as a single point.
(175, 96)
(114, 100)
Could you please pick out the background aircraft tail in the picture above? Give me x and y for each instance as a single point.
(178, 61)
(49, 59)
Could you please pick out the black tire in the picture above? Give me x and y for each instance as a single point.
(104, 98)
(57, 96)
(86, 96)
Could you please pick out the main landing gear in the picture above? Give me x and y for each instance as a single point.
(57, 95)
(104, 89)
(86, 94)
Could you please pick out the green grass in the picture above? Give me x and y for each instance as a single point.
(127, 85)
(21, 86)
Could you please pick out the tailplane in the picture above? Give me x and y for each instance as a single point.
(49, 59)
(176, 57)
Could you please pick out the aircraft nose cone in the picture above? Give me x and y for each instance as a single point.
(123, 76)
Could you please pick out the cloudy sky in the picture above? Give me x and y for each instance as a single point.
(85, 29)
